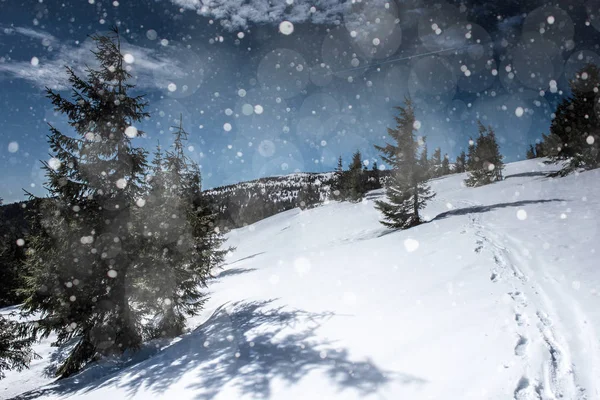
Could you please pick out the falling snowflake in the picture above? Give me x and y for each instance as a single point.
(131, 131)
(411, 245)
(519, 111)
(286, 27)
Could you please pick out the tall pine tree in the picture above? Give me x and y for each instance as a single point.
(445, 165)
(461, 162)
(375, 178)
(530, 152)
(15, 345)
(338, 186)
(436, 162)
(424, 161)
(407, 190)
(485, 163)
(575, 130)
(82, 259)
(356, 179)
(183, 244)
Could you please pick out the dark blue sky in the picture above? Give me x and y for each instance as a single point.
(263, 98)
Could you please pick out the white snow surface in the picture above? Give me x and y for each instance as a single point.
(497, 297)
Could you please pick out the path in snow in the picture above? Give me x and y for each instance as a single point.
(548, 372)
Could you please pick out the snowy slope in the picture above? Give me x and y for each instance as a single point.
(497, 297)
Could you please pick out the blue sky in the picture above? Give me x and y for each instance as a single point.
(268, 89)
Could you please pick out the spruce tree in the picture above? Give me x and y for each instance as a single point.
(530, 153)
(308, 196)
(356, 181)
(15, 345)
(577, 124)
(424, 161)
(471, 159)
(182, 245)
(485, 161)
(82, 258)
(407, 190)
(538, 149)
(338, 186)
(461, 162)
(445, 165)
(436, 163)
(495, 157)
(376, 176)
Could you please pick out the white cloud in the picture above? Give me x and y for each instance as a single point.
(152, 69)
(45, 37)
(236, 14)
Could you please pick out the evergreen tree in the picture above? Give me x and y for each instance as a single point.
(338, 187)
(375, 176)
(436, 163)
(495, 157)
(182, 245)
(424, 161)
(15, 346)
(577, 124)
(83, 256)
(356, 179)
(471, 156)
(530, 152)
(550, 146)
(461, 162)
(538, 150)
(407, 191)
(308, 196)
(445, 165)
(485, 161)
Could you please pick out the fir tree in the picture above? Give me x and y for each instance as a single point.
(424, 161)
(182, 245)
(550, 146)
(471, 159)
(83, 257)
(436, 163)
(308, 196)
(375, 176)
(407, 191)
(538, 150)
(356, 181)
(461, 162)
(577, 124)
(338, 187)
(445, 170)
(485, 161)
(15, 346)
(530, 152)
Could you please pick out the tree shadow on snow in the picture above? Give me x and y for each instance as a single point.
(484, 209)
(247, 345)
(529, 174)
(246, 258)
(232, 272)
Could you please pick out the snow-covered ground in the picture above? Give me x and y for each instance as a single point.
(497, 297)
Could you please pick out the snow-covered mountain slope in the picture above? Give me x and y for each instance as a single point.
(497, 297)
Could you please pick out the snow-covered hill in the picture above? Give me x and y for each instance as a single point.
(497, 297)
